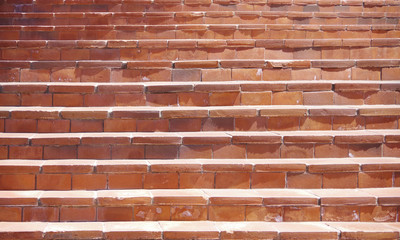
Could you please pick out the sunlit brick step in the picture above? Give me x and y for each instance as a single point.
(200, 5)
(197, 17)
(199, 230)
(189, 145)
(199, 173)
(193, 119)
(206, 49)
(191, 70)
(273, 205)
(197, 31)
(208, 93)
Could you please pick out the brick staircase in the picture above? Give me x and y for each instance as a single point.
(199, 119)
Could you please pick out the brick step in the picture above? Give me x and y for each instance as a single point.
(197, 31)
(273, 205)
(200, 230)
(197, 17)
(200, 5)
(191, 71)
(188, 145)
(208, 93)
(207, 49)
(199, 173)
(194, 119)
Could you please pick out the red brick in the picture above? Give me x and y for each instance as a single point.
(381, 122)
(365, 74)
(247, 74)
(86, 125)
(304, 180)
(255, 98)
(44, 214)
(68, 100)
(378, 213)
(89, 181)
(12, 214)
(95, 75)
(60, 152)
(25, 152)
(267, 214)
(349, 98)
(318, 98)
(114, 214)
(348, 123)
(263, 151)
(287, 123)
(20, 125)
(336, 74)
(196, 180)
(224, 98)
(195, 151)
(94, 152)
(331, 151)
(276, 74)
(77, 214)
(127, 152)
(9, 99)
(162, 99)
(16, 54)
(193, 99)
(39, 99)
(391, 150)
(340, 213)
(218, 124)
(251, 124)
(186, 75)
(390, 73)
(130, 99)
(125, 181)
(301, 214)
(65, 75)
(161, 125)
(189, 213)
(268, 180)
(365, 150)
(120, 125)
(98, 100)
(375, 179)
(315, 123)
(161, 181)
(382, 97)
(185, 125)
(9, 75)
(229, 151)
(17, 182)
(226, 213)
(232, 180)
(52, 126)
(35, 75)
(216, 75)
(75, 54)
(152, 213)
(287, 98)
(339, 180)
(54, 182)
(3, 152)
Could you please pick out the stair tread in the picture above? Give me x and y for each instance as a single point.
(268, 197)
(205, 229)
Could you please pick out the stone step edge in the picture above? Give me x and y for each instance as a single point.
(199, 229)
(322, 165)
(207, 64)
(209, 86)
(198, 112)
(203, 197)
(366, 137)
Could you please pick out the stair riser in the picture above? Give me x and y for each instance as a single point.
(110, 34)
(199, 124)
(55, 54)
(146, 6)
(240, 151)
(119, 74)
(177, 18)
(185, 180)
